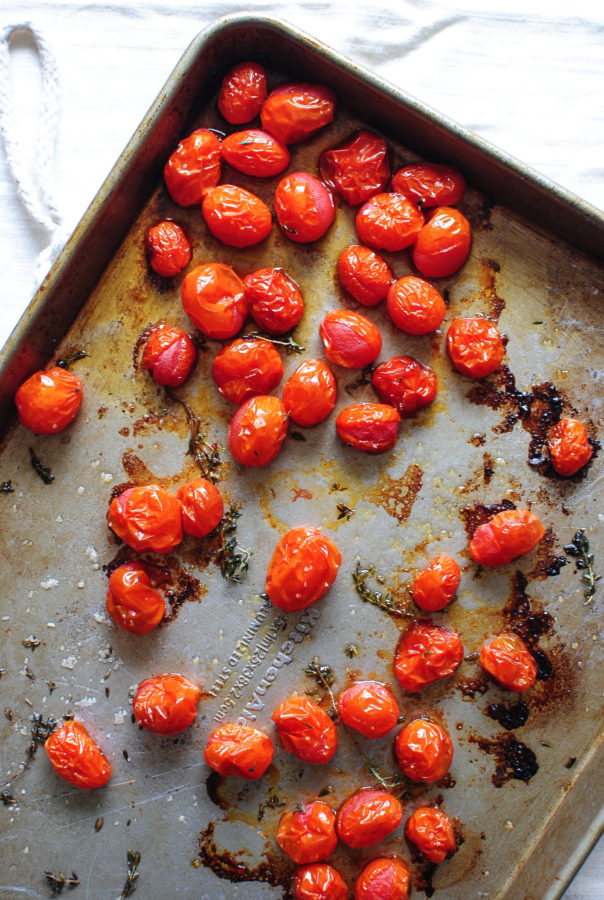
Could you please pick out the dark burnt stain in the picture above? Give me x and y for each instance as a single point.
(479, 215)
(101, 411)
(570, 762)
(185, 588)
(555, 688)
(177, 584)
(513, 758)
(446, 782)
(509, 717)
(214, 783)
(523, 617)
(276, 871)
(397, 495)
(139, 344)
(423, 874)
(469, 687)
(478, 440)
(493, 302)
(480, 513)
(488, 467)
(548, 563)
(125, 431)
(545, 668)
(118, 489)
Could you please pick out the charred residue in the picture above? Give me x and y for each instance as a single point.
(488, 467)
(480, 513)
(548, 561)
(513, 759)
(479, 213)
(509, 717)
(522, 617)
(276, 871)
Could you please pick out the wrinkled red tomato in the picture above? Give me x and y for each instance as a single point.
(275, 300)
(475, 346)
(201, 506)
(304, 207)
(369, 707)
(435, 587)
(308, 835)
(389, 222)
(235, 216)
(371, 427)
(430, 829)
(383, 879)
(303, 566)
(319, 881)
(350, 340)
(508, 535)
(242, 93)
(405, 383)
(168, 248)
(166, 704)
(293, 112)
(132, 602)
(257, 430)
(415, 306)
(306, 731)
(76, 758)
(508, 660)
(255, 152)
(424, 751)
(245, 368)
(443, 244)
(425, 653)
(49, 400)
(357, 168)
(194, 167)
(368, 817)
(214, 298)
(310, 393)
(146, 518)
(430, 184)
(569, 447)
(364, 274)
(239, 750)
(169, 355)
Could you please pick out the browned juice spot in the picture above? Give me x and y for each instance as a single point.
(276, 870)
(397, 495)
(513, 758)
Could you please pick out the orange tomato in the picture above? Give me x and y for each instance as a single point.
(293, 112)
(201, 507)
(430, 184)
(169, 355)
(569, 447)
(371, 427)
(364, 274)
(304, 207)
(508, 535)
(415, 306)
(308, 835)
(426, 653)
(131, 601)
(214, 298)
(146, 518)
(443, 244)
(76, 758)
(239, 750)
(235, 216)
(350, 340)
(475, 346)
(405, 383)
(168, 248)
(310, 393)
(275, 300)
(435, 587)
(194, 167)
(357, 168)
(257, 430)
(430, 829)
(303, 566)
(49, 400)
(319, 881)
(245, 368)
(369, 707)
(424, 751)
(389, 222)
(166, 704)
(508, 660)
(368, 817)
(383, 879)
(255, 152)
(242, 93)
(306, 730)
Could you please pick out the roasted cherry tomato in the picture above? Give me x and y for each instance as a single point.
(242, 93)
(293, 112)
(169, 355)
(239, 750)
(405, 383)
(76, 758)
(431, 831)
(319, 881)
(202, 507)
(236, 216)
(430, 184)
(357, 168)
(569, 447)
(257, 430)
(443, 244)
(166, 704)
(49, 400)
(308, 835)
(435, 587)
(389, 222)
(372, 427)
(214, 298)
(425, 653)
(304, 207)
(132, 602)
(415, 306)
(310, 393)
(350, 340)
(306, 731)
(383, 879)
(368, 817)
(475, 346)
(146, 518)
(303, 566)
(275, 300)
(168, 248)
(509, 661)
(364, 274)
(369, 707)
(245, 368)
(194, 167)
(255, 152)
(508, 535)
(424, 751)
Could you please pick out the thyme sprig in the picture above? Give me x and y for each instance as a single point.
(40, 732)
(579, 549)
(67, 361)
(40, 469)
(206, 455)
(134, 858)
(324, 676)
(234, 559)
(381, 598)
(344, 512)
(60, 881)
(363, 379)
(386, 781)
(291, 346)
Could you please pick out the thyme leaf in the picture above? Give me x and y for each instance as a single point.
(6, 487)
(40, 469)
(40, 732)
(288, 342)
(579, 549)
(68, 360)
(134, 858)
(206, 455)
(58, 882)
(386, 781)
(351, 650)
(344, 512)
(364, 378)
(381, 598)
(324, 676)
(233, 559)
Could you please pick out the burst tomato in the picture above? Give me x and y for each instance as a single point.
(424, 751)
(443, 244)
(350, 340)
(430, 184)
(257, 430)
(415, 306)
(319, 881)
(306, 731)
(431, 831)
(168, 248)
(275, 300)
(435, 587)
(242, 93)
(383, 879)
(425, 653)
(569, 447)
(201, 506)
(371, 427)
(405, 383)
(389, 222)
(255, 152)
(214, 298)
(357, 168)
(368, 817)
(303, 566)
(239, 750)
(132, 602)
(508, 535)
(49, 400)
(146, 518)
(166, 704)
(245, 368)
(310, 393)
(293, 112)
(235, 216)
(304, 207)
(364, 274)
(308, 835)
(194, 167)
(76, 758)
(475, 346)
(369, 707)
(169, 355)
(509, 661)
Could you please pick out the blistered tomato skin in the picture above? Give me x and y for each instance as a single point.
(214, 299)
(194, 168)
(76, 758)
(201, 506)
(275, 301)
(242, 93)
(168, 248)
(426, 653)
(350, 340)
(235, 216)
(508, 660)
(430, 184)
(435, 587)
(368, 817)
(405, 383)
(304, 207)
(508, 535)
(569, 447)
(294, 112)
(306, 730)
(389, 222)
(319, 881)
(424, 751)
(255, 152)
(257, 430)
(357, 168)
(364, 274)
(239, 750)
(49, 400)
(370, 708)
(431, 831)
(132, 602)
(415, 306)
(383, 879)
(443, 244)
(245, 368)
(303, 566)
(371, 427)
(310, 393)
(308, 835)
(475, 346)
(166, 704)
(146, 518)
(169, 355)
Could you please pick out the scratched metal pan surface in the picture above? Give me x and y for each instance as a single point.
(528, 801)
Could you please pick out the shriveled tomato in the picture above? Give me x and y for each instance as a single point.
(166, 704)
(242, 93)
(368, 817)
(389, 222)
(405, 383)
(443, 244)
(308, 835)
(304, 207)
(146, 518)
(350, 340)
(201, 505)
(435, 587)
(425, 653)
(214, 298)
(424, 751)
(319, 881)
(194, 167)
(168, 248)
(49, 400)
(569, 447)
(169, 355)
(239, 750)
(293, 112)
(415, 306)
(383, 879)
(430, 184)
(235, 216)
(431, 830)
(76, 758)
(310, 393)
(372, 427)
(357, 168)
(245, 368)
(508, 535)
(369, 707)
(306, 731)
(275, 300)
(255, 152)
(132, 602)
(303, 566)
(364, 274)
(509, 661)
(475, 346)
(257, 430)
